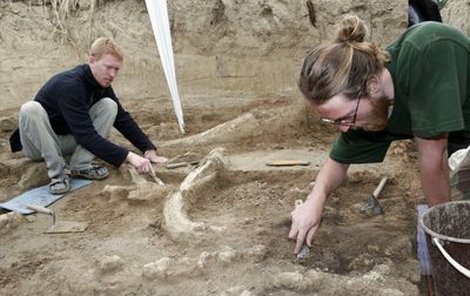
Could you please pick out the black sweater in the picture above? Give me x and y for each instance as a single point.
(67, 98)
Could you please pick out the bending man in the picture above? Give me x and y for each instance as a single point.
(67, 123)
(419, 87)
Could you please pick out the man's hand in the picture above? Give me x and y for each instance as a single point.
(141, 164)
(153, 157)
(307, 216)
(305, 222)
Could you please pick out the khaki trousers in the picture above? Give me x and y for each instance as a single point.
(40, 142)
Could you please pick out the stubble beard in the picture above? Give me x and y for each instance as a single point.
(378, 118)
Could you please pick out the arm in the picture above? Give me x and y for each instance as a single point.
(73, 108)
(434, 169)
(306, 217)
(128, 127)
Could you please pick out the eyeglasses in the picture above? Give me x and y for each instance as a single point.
(348, 120)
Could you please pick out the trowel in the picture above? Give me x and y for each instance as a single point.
(59, 227)
(305, 250)
(371, 205)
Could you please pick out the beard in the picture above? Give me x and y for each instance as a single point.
(378, 118)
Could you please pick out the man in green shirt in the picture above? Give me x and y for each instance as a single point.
(419, 87)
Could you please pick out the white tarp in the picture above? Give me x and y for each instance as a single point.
(459, 167)
(158, 12)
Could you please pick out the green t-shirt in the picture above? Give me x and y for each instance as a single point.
(430, 68)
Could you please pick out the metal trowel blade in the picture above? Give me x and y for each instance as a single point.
(304, 252)
(372, 207)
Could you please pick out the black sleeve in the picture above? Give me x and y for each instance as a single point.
(74, 108)
(427, 10)
(15, 141)
(129, 128)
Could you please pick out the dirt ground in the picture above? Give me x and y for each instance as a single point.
(219, 225)
(236, 243)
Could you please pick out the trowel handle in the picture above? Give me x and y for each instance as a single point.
(380, 187)
(40, 209)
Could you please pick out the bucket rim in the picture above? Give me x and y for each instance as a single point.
(441, 236)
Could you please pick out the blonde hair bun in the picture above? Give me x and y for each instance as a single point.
(352, 29)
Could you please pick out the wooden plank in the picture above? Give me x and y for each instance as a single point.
(287, 162)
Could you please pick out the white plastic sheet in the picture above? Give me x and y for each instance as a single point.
(459, 165)
(158, 12)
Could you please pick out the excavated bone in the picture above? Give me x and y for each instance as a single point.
(247, 125)
(139, 189)
(176, 221)
(167, 267)
(10, 221)
(135, 177)
(377, 282)
(240, 127)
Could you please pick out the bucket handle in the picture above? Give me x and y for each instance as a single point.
(451, 260)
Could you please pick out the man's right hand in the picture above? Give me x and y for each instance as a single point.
(141, 164)
(307, 216)
(305, 222)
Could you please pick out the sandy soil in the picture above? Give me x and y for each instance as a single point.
(218, 227)
(232, 237)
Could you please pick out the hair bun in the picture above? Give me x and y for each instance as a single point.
(352, 29)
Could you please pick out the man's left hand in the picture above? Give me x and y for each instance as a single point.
(154, 157)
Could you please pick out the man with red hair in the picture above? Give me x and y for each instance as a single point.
(69, 120)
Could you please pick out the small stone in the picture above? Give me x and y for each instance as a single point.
(258, 251)
(156, 269)
(10, 221)
(289, 280)
(227, 256)
(111, 263)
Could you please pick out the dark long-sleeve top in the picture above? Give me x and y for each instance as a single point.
(67, 98)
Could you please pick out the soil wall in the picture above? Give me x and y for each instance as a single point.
(239, 47)
(246, 48)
